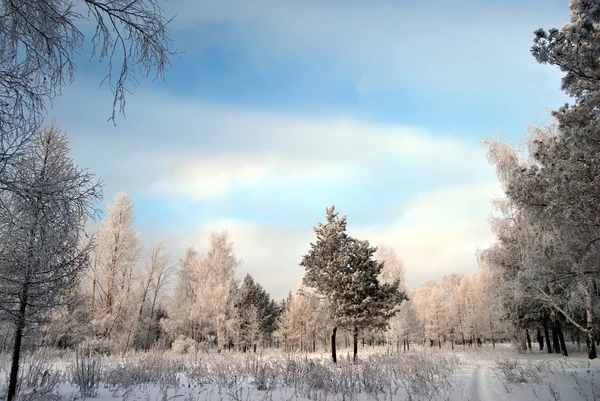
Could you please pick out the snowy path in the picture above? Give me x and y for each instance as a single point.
(480, 386)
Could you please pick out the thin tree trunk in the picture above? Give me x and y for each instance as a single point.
(355, 343)
(546, 333)
(561, 337)
(528, 339)
(591, 346)
(333, 354)
(555, 342)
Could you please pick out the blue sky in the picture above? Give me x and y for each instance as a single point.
(277, 109)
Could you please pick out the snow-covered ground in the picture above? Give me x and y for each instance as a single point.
(486, 373)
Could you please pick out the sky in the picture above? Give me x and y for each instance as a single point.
(276, 109)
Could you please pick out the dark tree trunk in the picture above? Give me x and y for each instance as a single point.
(540, 339)
(546, 333)
(561, 338)
(407, 345)
(528, 339)
(355, 344)
(555, 343)
(16, 354)
(333, 354)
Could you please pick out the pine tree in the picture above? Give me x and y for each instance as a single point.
(327, 261)
(343, 270)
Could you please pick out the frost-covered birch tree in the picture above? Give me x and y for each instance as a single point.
(218, 265)
(113, 273)
(43, 251)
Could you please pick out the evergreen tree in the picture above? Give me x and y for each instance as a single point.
(342, 269)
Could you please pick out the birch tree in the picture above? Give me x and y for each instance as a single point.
(155, 276)
(218, 264)
(41, 229)
(115, 258)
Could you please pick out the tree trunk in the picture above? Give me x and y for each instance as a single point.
(555, 343)
(546, 333)
(528, 339)
(590, 325)
(333, 354)
(561, 337)
(14, 367)
(355, 343)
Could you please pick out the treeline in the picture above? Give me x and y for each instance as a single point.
(125, 297)
(545, 259)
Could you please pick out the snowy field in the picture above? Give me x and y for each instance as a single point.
(420, 374)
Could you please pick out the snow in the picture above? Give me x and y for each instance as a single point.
(486, 373)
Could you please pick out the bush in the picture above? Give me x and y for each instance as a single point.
(184, 345)
(87, 371)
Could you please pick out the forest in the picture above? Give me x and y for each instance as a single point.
(90, 310)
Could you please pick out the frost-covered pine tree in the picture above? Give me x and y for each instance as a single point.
(343, 270)
(43, 251)
(363, 301)
(327, 260)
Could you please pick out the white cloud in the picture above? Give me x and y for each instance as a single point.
(267, 177)
(440, 231)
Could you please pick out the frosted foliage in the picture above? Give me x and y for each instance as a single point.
(43, 250)
(393, 267)
(114, 270)
(218, 267)
(202, 304)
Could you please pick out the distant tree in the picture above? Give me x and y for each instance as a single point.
(113, 270)
(42, 250)
(190, 311)
(433, 310)
(154, 279)
(218, 265)
(393, 267)
(253, 303)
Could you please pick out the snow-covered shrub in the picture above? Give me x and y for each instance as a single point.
(184, 345)
(515, 372)
(102, 347)
(424, 377)
(265, 373)
(38, 377)
(86, 373)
